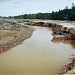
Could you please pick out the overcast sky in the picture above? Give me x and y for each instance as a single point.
(17, 7)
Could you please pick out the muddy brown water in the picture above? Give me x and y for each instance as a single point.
(38, 55)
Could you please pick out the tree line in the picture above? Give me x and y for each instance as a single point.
(65, 14)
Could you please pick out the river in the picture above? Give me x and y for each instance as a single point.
(37, 55)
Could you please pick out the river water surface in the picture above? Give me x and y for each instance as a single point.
(36, 55)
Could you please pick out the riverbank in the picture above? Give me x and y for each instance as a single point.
(61, 29)
(69, 69)
(13, 36)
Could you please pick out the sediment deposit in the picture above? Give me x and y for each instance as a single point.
(64, 28)
(12, 34)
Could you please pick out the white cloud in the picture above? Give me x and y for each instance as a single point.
(16, 7)
(4, 0)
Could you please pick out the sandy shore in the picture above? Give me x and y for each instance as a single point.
(11, 38)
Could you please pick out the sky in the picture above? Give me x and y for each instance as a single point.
(19, 7)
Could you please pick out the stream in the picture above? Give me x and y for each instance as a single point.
(38, 55)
